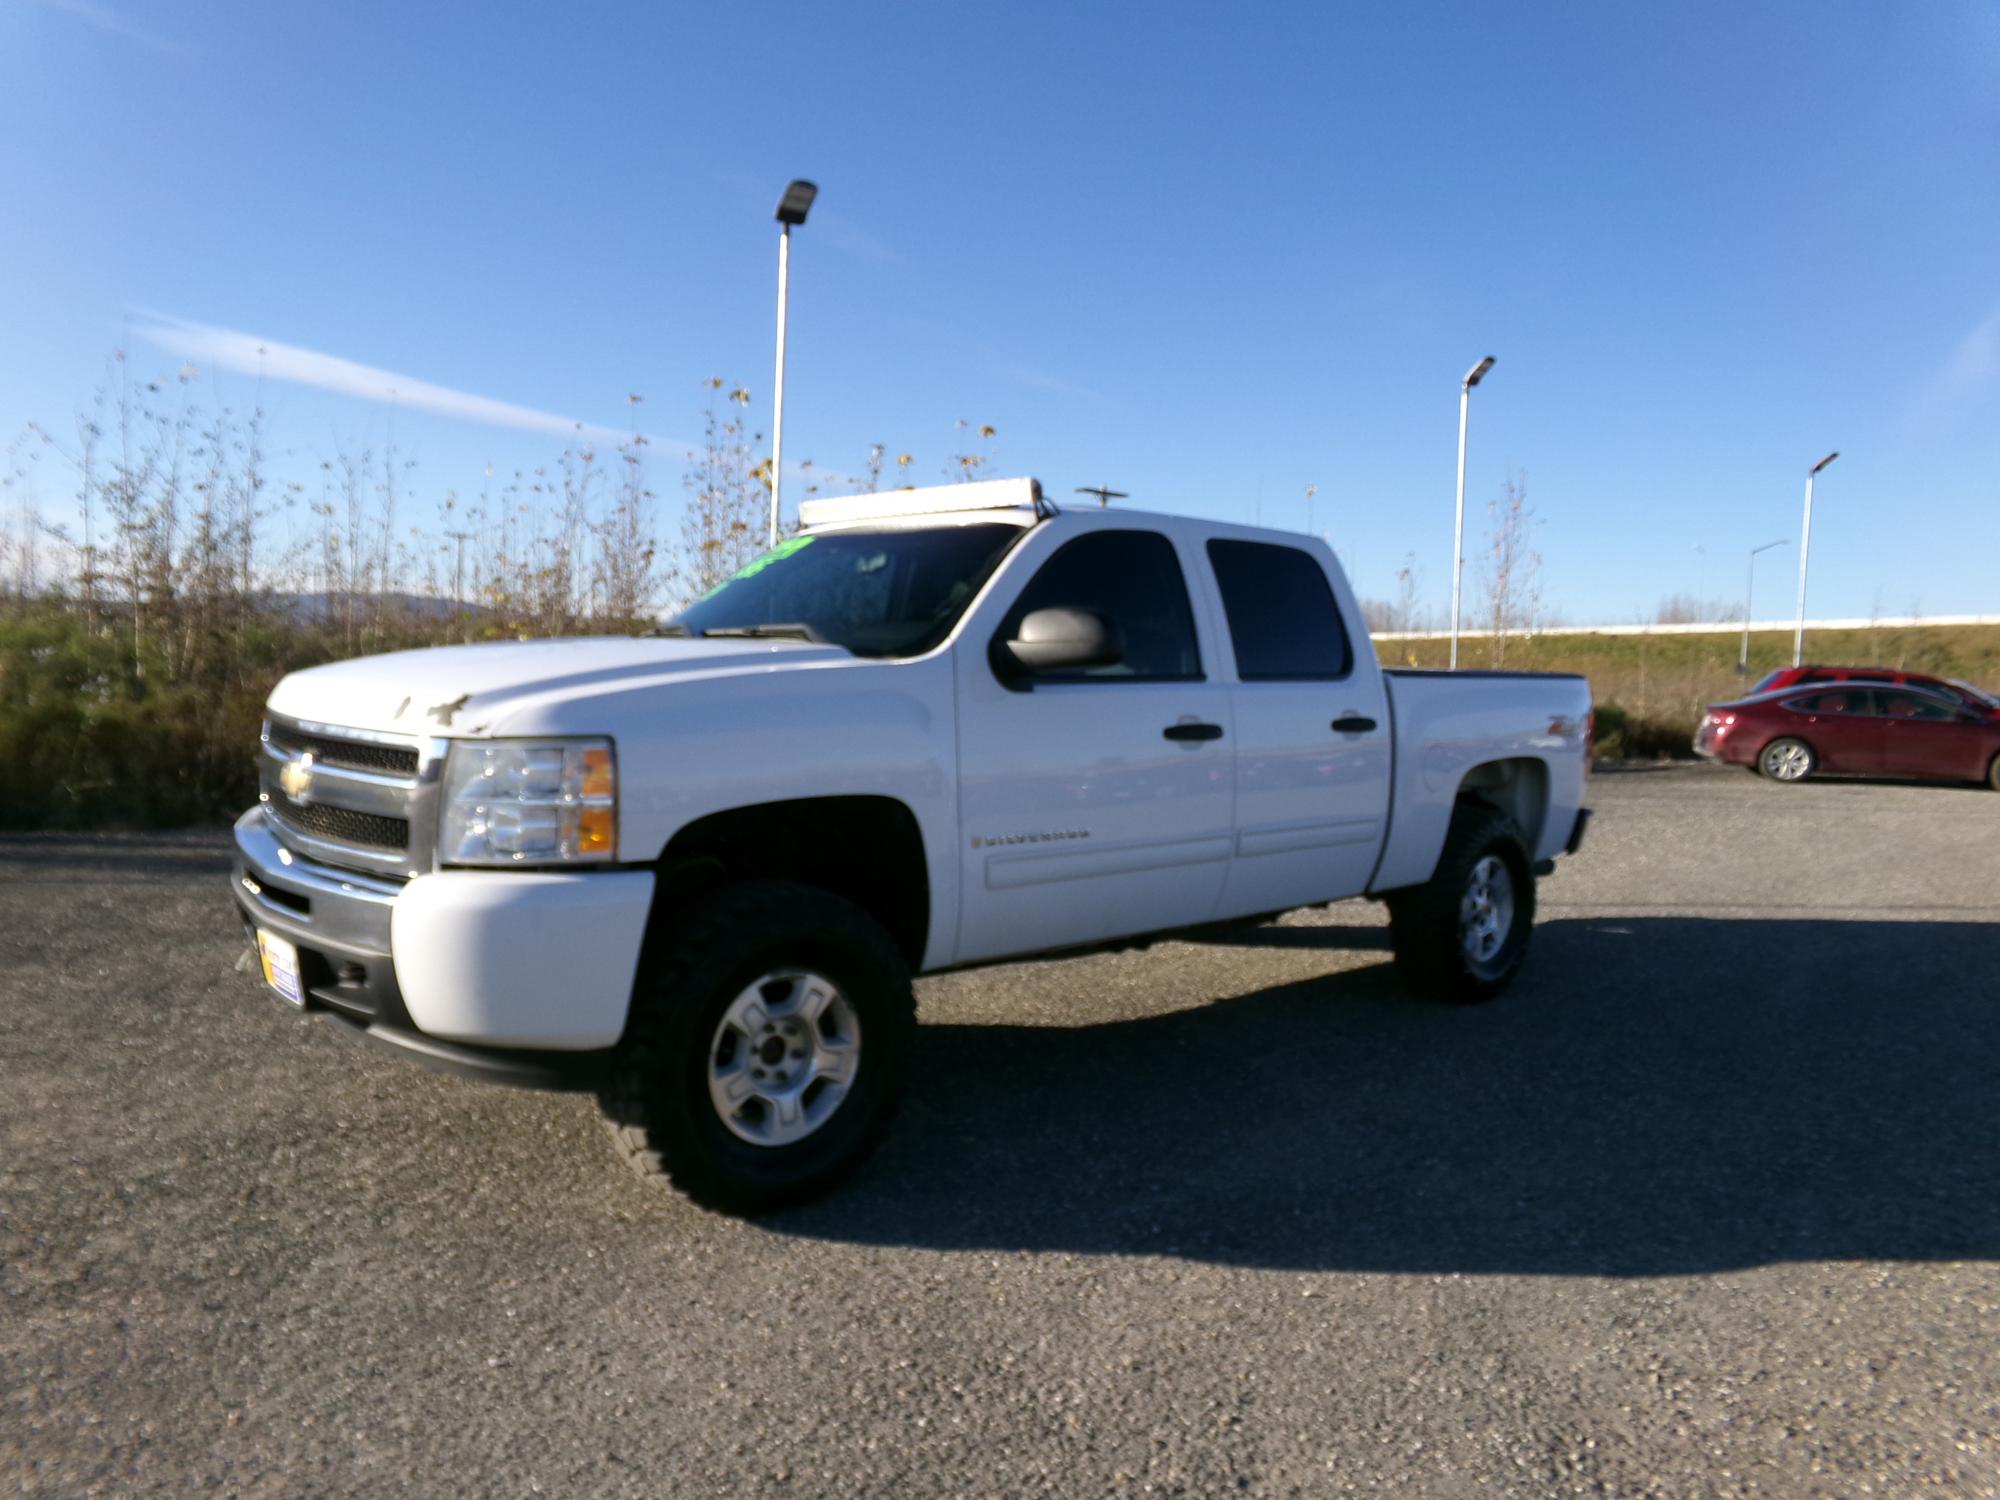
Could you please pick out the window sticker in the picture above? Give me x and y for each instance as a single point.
(778, 553)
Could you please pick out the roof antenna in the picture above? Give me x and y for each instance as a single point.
(1104, 496)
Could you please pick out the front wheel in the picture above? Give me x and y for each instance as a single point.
(1787, 760)
(1464, 935)
(767, 1049)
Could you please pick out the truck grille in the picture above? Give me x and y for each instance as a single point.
(357, 755)
(342, 825)
(349, 798)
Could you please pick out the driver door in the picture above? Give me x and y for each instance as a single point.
(1096, 803)
(1922, 735)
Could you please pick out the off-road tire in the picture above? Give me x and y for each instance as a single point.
(655, 1096)
(1425, 923)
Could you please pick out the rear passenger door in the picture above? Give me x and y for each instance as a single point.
(1840, 725)
(1312, 732)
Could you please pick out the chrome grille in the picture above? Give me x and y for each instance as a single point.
(342, 825)
(356, 755)
(351, 798)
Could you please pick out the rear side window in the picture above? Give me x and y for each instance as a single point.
(1133, 579)
(1283, 620)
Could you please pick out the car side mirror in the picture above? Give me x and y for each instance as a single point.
(1066, 640)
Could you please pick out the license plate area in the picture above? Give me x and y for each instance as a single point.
(280, 961)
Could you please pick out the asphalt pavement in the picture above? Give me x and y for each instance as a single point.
(1708, 1204)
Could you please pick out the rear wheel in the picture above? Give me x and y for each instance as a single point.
(1464, 935)
(767, 1050)
(1993, 774)
(1787, 760)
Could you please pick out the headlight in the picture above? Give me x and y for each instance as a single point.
(519, 802)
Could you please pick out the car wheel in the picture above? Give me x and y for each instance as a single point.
(1787, 760)
(1463, 935)
(767, 1049)
(1993, 774)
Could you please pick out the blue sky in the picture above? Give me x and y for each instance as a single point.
(1207, 255)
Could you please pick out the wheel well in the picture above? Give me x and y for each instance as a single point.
(1518, 788)
(867, 850)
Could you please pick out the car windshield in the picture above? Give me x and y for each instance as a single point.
(889, 592)
(1979, 696)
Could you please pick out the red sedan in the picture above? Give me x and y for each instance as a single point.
(1977, 699)
(1853, 729)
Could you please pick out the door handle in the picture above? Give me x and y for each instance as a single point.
(1353, 724)
(1193, 731)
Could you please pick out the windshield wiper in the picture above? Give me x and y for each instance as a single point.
(672, 627)
(791, 630)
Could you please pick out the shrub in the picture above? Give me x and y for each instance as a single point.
(1627, 736)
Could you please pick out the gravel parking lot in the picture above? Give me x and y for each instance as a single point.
(1708, 1204)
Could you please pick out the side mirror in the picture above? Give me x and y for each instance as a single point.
(1066, 640)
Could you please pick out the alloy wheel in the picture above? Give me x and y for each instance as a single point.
(1486, 912)
(1787, 762)
(783, 1057)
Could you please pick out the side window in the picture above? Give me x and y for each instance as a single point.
(1910, 706)
(1847, 701)
(1283, 620)
(1133, 579)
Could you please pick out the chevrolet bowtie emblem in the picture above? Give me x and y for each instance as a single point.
(297, 778)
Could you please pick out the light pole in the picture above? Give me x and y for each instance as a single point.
(1805, 553)
(1472, 377)
(1749, 589)
(792, 209)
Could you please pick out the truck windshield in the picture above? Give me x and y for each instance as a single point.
(893, 592)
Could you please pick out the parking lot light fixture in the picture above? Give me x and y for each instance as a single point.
(1472, 377)
(1749, 588)
(792, 209)
(1805, 554)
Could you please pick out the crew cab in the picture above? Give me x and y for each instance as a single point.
(695, 871)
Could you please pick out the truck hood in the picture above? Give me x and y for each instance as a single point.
(471, 690)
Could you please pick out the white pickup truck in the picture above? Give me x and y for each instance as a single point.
(695, 871)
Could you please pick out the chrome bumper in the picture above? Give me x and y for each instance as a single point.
(307, 903)
(339, 922)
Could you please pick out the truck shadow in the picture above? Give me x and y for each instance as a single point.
(1656, 1096)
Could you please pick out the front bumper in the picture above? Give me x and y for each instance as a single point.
(514, 976)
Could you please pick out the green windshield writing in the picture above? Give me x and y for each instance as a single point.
(750, 570)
